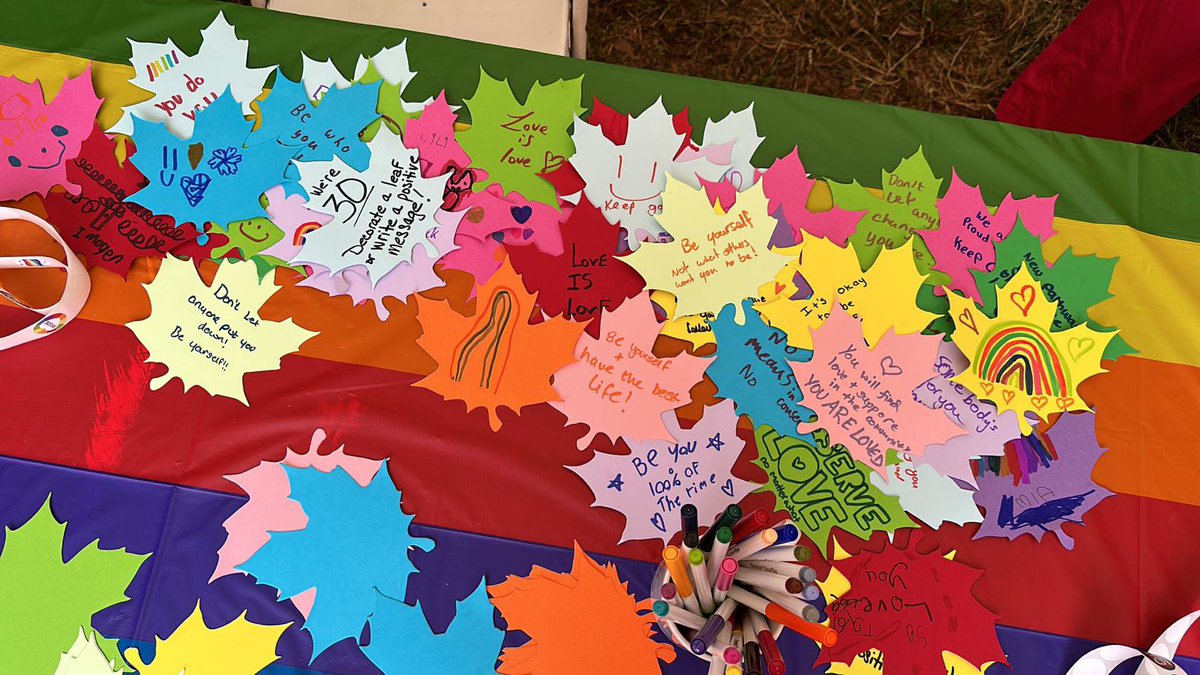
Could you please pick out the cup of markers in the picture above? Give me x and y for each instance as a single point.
(727, 594)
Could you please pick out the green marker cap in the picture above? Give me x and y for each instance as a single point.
(724, 535)
(696, 557)
(803, 553)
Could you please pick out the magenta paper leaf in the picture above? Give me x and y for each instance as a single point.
(432, 136)
(787, 187)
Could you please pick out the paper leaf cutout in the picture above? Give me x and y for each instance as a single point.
(787, 187)
(908, 205)
(514, 142)
(494, 358)
(926, 494)
(1046, 499)
(911, 607)
(402, 640)
(1075, 282)
(403, 281)
(491, 214)
(341, 554)
(695, 466)
(42, 137)
(870, 662)
(268, 508)
(391, 66)
(863, 396)
(212, 336)
(986, 430)
(237, 647)
(47, 599)
(739, 132)
(884, 297)
(432, 135)
(110, 232)
(822, 487)
(970, 231)
(555, 609)
(181, 83)
(1017, 361)
(716, 258)
(586, 278)
(626, 180)
(380, 216)
(224, 184)
(322, 130)
(617, 387)
(752, 368)
(292, 218)
(85, 658)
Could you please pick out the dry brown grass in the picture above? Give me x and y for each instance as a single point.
(946, 56)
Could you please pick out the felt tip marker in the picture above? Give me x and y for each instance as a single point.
(777, 553)
(723, 649)
(767, 580)
(733, 670)
(717, 667)
(679, 615)
(787, 532)
(712, 628)
(751, 654)
(725, 574)
(728, 518)
(669, 593)
(802, 572)
(754, 544)
(689, 517)
(772, 660)
(673, 559)
(750, 523)
(793, 604)
(813, 631)
(700, 577)
(810, 593)
(737, 640)
(719, 551)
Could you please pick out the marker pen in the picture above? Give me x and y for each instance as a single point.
(772, 659)
(813, 631)
(719, 551)
(754, 544)
(679, 615)
(728, 518)
(793, 604)
(736, 639)
(775, 582)
(733, 670)
(700, 577)
(689, 517)
(810, 593)
(690, 541)
(802, 572)
(673, 558)
(722, 648)
(712, 628)
(803, 553)
(777, 553)
(669, 594)
(787, 532)
(750, 523)
(725, 573)
(716, 666)
(751, 654)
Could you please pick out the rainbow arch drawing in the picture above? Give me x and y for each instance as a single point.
(1023, 357)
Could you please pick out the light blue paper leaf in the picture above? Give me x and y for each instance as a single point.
(319, 131)
(402, 641)
(356, 541)
(224, 185)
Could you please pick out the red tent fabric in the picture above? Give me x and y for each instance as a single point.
(1119, 71)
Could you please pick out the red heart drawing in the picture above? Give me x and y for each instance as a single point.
(1023, 299)
(966, 318)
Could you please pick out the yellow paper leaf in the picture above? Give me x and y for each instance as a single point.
(239, 647)
(883, 297)
(717, 257)
(1017, 362)
(210, 336)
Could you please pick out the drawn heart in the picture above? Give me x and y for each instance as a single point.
(1008, 395)
(779, 288)
(888, 365)
(727, 488)
(194, 187)
(521, 213)
(966, 318)
(986, 386)
(1038, 401)
(475, 214)
(659, 522)
(552, 162)
(1080, 346)
(1023, 299)
(1064, 402)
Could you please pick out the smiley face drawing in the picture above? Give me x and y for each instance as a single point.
(39, 139)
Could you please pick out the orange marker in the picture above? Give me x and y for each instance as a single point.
(813, 631)
(678, 567)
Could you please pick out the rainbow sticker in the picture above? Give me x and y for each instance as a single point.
(1017, 362)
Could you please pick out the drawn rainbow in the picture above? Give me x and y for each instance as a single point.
(162, 65)
(1023, 357)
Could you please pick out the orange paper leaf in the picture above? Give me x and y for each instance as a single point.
(494, 357)
(584, 622)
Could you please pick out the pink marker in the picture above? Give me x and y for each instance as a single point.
(670, 594)
(725, 573)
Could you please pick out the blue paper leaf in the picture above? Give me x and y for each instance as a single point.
(403, 642)
(356, 541)
(319, 131)
(752, 369)
(224, 185)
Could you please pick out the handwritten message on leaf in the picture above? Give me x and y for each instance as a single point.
(515, 142)
(494, 358)
(212, 336)
(236, 647)
(863, 396)
(1018, 362)
(319, 131)
(821, 486)
(649, 485)
(617, 386)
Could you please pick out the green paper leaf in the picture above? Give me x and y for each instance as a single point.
(515, 142)
(45, 601)
(909, 204)
(1077, 283)
(821, 487)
